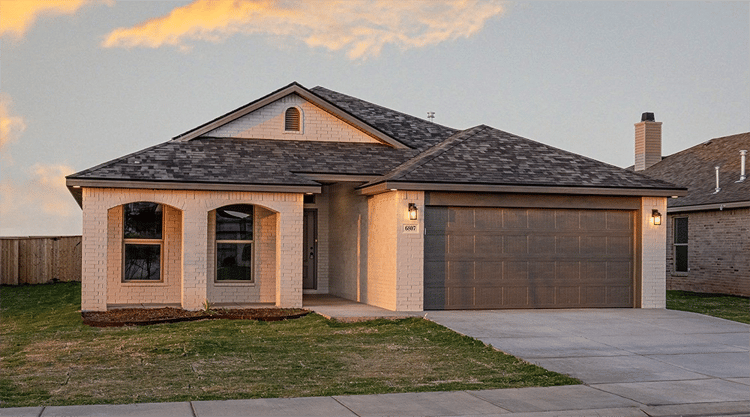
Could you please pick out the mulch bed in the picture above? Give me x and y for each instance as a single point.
(145, 316)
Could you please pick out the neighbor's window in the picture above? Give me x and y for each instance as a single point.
(681, 244)
(234, 243)
(292, 120)
(142, 233)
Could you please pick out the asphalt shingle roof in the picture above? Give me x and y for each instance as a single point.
(484, 155)
(411, 131)
(248, 161)
(694, 168)
(439, 154)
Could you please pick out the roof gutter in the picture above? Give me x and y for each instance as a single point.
(706, 207)
(533, 189)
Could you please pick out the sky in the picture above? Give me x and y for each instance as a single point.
(84, 82)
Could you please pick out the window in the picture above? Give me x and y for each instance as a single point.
(234, 243)
(142, 235)
(292, 120)
(681, 244)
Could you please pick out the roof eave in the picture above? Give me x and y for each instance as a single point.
(78, 183)
(386, 186)
(303, 92)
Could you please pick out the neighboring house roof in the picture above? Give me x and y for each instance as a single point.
(695, 168)
(412, 152)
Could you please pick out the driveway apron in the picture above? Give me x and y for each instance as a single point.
(651, 356)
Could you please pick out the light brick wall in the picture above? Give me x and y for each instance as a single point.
(263, 289)
(347, 226)
(167, 291)
(410, 254)
(268, 123)
(382, 250)
(718, 252)
(653, 249)
(194, 207)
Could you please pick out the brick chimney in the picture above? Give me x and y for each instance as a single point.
(647, 142)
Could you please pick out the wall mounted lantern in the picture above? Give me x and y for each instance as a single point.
(656, 217)
(412, 211)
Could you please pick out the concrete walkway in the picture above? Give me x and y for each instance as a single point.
(633, 363)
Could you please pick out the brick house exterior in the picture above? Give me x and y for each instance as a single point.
(717, 222)
(310, 191)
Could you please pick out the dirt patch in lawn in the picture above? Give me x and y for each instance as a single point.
(145, 316)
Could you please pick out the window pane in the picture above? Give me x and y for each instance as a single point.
(234, 222)
(142, 221)
(681, 258)
(142, 262)
(234, 261)
(681, 230)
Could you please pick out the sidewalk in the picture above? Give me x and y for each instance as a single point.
(578, 400)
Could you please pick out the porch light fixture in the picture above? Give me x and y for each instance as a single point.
(656, 217)
(412, 211)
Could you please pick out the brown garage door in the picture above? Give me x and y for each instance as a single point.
(482, 258)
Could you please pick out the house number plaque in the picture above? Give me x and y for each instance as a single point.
(411, 228)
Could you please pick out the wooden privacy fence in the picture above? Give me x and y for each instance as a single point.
(37, 260)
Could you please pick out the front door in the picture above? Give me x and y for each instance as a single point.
(310, 250)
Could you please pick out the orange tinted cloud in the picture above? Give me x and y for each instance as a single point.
(361, 28)
(10, 126)
(19, 15)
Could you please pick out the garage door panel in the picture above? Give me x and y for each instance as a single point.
(488, 219)
(620, 245)
(567, 245)
(568, 296)
(488, 274)
(516, 297)
(541, 219)
(515, 218)
(542, 244)
(528, 258)
(460, 244)
(567, 220)
(461, 297)
(516, 244)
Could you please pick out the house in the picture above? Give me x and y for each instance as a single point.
(708, 230)
(307, 191)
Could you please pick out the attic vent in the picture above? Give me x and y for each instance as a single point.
(292, 120)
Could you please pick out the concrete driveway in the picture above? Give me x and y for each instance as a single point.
(653, 357)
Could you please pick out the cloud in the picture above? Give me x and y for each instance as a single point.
(19, 15)
(361, 28)
(10, 126)
(39, 204)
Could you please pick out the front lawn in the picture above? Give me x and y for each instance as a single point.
(728, 307)
(48, 357)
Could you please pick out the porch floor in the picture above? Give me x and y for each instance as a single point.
(341, 309)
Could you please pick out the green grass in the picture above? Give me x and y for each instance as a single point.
(48, 357)
(718, 305)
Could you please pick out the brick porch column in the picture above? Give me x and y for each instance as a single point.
(94, 246)
(194, 257)
(289, 256)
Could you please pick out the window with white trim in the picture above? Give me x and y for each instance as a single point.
(234, 243)
(292, 120)
(142, 241)
(681, 244)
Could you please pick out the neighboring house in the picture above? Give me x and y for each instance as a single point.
(708, 230)
(312, 191)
